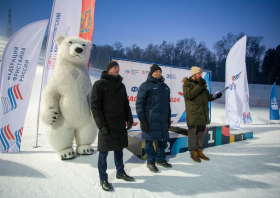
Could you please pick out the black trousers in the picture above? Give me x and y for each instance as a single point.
(102, 164)
(196, 134)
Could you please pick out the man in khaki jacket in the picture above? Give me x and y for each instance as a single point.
(196, 97)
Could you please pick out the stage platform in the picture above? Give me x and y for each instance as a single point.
(215, 135)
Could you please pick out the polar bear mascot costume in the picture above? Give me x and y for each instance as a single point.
(65, 105)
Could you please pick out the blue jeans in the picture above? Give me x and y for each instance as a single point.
(150, 151)
(102, 164)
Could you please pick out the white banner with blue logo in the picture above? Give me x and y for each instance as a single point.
(19, 64)
(273, 104)
(237, 96)
(134, 73)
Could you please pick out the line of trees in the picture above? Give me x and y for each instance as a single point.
(187, 53)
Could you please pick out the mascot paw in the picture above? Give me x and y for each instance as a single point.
(51, 116)
(84, 150)
(66, 154)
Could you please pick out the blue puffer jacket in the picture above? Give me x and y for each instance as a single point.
(153, 103)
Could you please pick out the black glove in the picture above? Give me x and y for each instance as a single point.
(202, 82)
(169, 122)
(144, 125)
(219, 95)
(129, 125)
(104, 131)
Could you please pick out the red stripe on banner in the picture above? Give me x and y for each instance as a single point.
(135, 124)
(8, 127)
(6, 133)
(20, 132)
(14, 88)
(19, 92)
(87, 20)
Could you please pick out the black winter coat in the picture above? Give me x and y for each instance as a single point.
(110, 108)
(153, 103)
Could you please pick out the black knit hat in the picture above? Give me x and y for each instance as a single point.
(111, 64)
(154, 68)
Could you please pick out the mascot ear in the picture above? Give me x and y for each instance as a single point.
(59, 39)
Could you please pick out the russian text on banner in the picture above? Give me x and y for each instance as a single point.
(65, 21)
(19, 64)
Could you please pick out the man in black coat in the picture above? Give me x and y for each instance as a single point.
(111, 111)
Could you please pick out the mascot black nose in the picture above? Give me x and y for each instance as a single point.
(79, 50)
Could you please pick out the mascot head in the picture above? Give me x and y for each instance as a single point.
(73, 49)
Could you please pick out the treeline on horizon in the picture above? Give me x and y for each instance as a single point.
(187, 53)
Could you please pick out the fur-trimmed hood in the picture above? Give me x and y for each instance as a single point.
(185, 79)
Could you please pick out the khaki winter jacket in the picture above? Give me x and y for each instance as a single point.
(196, 101)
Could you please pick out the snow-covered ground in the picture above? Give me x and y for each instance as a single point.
(249, 168)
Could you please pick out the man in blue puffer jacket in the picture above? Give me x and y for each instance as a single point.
(153, 111)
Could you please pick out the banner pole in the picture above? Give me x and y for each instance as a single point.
(36, 145)
(45, 59)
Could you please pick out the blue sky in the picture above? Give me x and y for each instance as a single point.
(151, 21)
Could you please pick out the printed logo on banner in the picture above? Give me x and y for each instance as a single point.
(171, 76)
(51, 62)
(145, 72)
(244, 118)
(8, 140)
(232, 86)
(9, 103)
(134, 89)
(127, 71)
(274, 103)
(86, 21)
(249, 116)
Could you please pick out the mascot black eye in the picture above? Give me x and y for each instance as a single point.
(70, 42)
(84, 45)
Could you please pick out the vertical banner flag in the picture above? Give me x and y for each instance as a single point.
(68, 18)
(87, 19)
(134, 73)
(237, 97)
(273, 104)
(19, 64)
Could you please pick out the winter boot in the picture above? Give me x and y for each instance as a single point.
(164, 164)
(125, 177)
(152, 167)
(201, 155)
(105, 185)
(195, 157)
